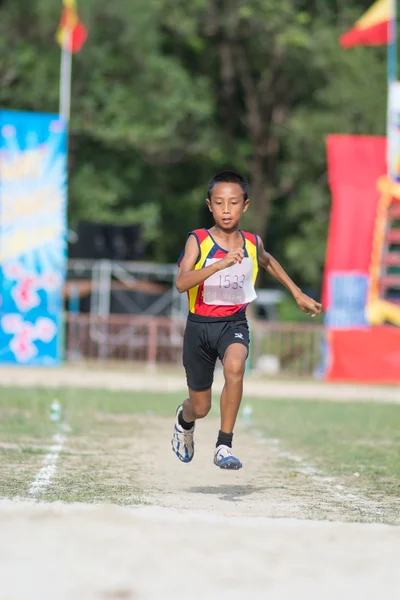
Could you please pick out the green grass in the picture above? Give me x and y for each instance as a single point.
(26, 411)
(339, 439)
(98, 442)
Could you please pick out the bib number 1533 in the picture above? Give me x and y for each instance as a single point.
(232, 281)
(231, 286)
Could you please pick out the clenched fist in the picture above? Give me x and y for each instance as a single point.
(233, 257)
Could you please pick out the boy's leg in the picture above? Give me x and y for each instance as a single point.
(197, 406)
(199, 361)
(234, 363)
(233, 354)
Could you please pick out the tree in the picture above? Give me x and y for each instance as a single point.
(167, 92)
(280, 84)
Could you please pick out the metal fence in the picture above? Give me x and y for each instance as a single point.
(291, 349)
(277, 349)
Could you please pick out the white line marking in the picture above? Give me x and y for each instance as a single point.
(47, 472)
(337, 490)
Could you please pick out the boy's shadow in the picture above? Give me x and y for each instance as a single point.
(232, 493)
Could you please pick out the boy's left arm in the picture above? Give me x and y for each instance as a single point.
(268, 262)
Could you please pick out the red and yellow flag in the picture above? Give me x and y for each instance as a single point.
(71, 32)
(372, 29)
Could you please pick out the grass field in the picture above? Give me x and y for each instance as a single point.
(357, 444)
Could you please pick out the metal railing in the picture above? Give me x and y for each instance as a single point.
(287, 349)
(277, 349)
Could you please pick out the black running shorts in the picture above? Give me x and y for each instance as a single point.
(207, 339)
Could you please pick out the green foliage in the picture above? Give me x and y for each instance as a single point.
(167, 92)
(288, 311)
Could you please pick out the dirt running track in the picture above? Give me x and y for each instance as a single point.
(60, 552)
(205, 534)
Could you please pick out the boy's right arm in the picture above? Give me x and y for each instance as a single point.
(187, 278)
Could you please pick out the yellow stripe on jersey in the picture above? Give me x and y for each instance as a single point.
(205, 248)
(252, 252)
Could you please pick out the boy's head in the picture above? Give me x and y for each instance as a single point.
(228, 177)
(227, 199)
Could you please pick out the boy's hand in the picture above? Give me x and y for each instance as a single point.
(308, 305)
(233, 257)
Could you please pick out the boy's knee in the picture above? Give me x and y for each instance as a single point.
(201, 411)
(234, 367)
(200, 403)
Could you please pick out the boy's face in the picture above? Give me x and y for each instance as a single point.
(227, 205)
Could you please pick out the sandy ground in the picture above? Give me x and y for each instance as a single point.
(82, 552)
(277, 529)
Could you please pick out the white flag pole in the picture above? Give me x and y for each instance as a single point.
(392, 93)
(65, 77)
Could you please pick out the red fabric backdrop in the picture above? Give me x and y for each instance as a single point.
(366, 354)
(355, 163)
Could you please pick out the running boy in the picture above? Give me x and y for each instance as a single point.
(218, 270)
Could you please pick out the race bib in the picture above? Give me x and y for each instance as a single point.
(233, 285)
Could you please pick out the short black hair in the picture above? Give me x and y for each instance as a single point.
(228, 177)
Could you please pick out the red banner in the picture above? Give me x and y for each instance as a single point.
(355, 164)
(364, 355)
(355, 351)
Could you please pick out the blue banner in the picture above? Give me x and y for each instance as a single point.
(33, 236)
(349, 295)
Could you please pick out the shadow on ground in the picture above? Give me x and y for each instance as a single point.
(232, 493)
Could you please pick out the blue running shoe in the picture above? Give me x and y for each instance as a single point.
(225, 459)
(182, 440)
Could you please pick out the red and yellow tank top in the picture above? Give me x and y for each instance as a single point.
(208, 248)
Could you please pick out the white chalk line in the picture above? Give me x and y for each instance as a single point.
(46, 474)
(330, 484)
